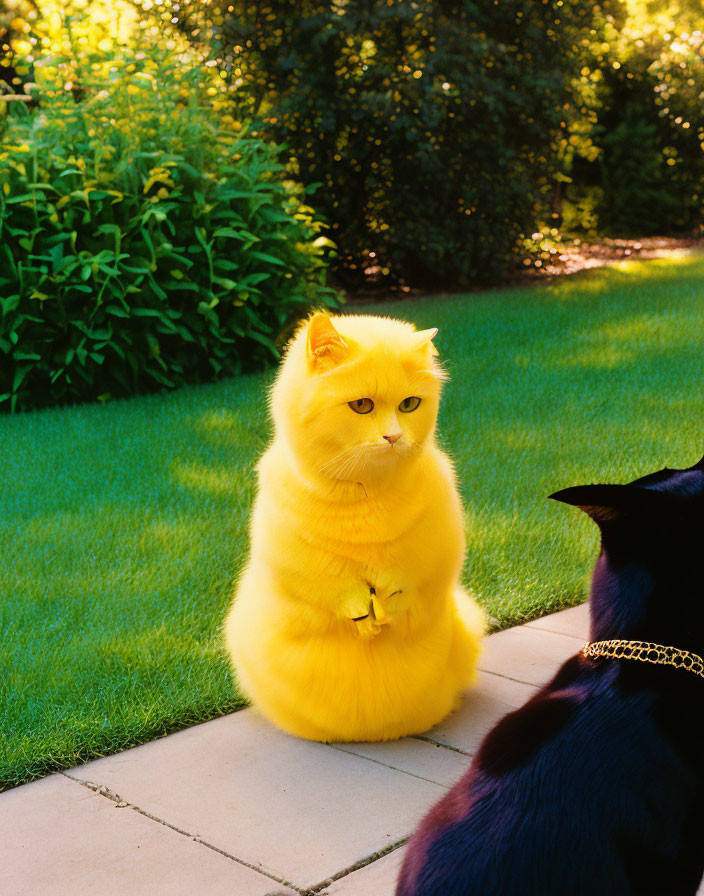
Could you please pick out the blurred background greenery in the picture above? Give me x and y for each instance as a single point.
(180, 180)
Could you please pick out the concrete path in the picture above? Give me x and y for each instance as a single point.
(235, 807)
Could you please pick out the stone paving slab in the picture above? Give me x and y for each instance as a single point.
(300, 811)
(57, 838)
(483, 706)
(377, 879)
(519, 657)
(416, 757)
(574, 621)
(528, 654)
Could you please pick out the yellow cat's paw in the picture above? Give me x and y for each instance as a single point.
(377, 617)
(367, 627)
(389, 604)
(366, 609)
(356, 604)
(393, 589)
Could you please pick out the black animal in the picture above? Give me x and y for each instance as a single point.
(596, 786)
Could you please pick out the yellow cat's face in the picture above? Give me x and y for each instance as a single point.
(358, 396)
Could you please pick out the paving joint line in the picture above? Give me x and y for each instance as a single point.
(531, 684)
(103, 790)
(439, 743)
(394, 768)
(362, 863)
(551, 631)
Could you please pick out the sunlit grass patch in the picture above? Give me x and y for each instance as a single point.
(123, 526)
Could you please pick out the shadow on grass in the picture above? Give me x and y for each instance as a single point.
(122, 527)
(599, 380)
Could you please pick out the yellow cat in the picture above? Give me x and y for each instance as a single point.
(348, 621)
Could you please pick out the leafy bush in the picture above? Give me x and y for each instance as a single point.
(428, 124)
(146, 239)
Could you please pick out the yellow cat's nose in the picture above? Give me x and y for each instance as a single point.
(393, 438)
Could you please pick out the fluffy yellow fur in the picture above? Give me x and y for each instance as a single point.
(348, 621)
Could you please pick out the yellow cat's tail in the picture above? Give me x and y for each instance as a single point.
(468, 634)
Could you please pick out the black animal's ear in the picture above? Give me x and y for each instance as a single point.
(601, 502)
(604, 503)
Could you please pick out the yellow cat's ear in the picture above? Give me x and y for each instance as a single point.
(325, 345)
(425, 337)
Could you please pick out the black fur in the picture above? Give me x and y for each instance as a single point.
(596, 785)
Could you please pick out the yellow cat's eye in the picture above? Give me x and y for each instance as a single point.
(409, 404)
(362, 405)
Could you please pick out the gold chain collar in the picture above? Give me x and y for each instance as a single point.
(646, 653)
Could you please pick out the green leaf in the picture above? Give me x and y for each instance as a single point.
(229, 232)
(20, 373)
(225, 283)
(265, 340)
(116, 311)
(263, 256)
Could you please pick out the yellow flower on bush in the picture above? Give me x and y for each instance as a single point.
(158, 175)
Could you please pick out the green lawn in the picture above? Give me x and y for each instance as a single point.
(123, 526)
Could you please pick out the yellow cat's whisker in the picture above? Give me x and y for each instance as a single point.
(353, 463)
(341, 470)
(343, 464)
(337, 459)
(353, 449)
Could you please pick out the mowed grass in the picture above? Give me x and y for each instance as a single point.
(122, 527)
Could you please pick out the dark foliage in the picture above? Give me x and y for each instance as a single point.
(429, 125)
(651, 169)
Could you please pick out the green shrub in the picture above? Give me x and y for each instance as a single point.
(429, 125)
(145, 239)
